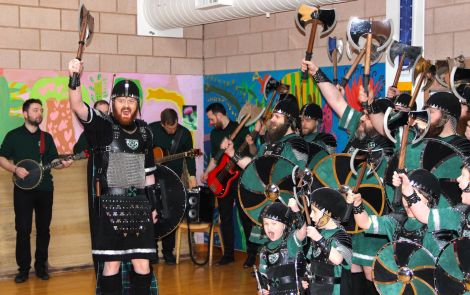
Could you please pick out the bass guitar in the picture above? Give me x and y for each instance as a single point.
(36, 170)
(160, 156)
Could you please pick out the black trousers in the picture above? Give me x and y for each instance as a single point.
(168, 243)
(226, 222)
(25, 202)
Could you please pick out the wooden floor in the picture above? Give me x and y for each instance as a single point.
(185, 278)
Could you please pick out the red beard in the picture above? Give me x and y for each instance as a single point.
(127, 121)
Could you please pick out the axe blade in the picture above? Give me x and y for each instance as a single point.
(423, 66)
(90, 29)
(387, 119)
(335, 44)
(412, 53)
(381, 31)
(328, 19)
(421, 124)
(460, 83)
(305, 13)
(442, 73)
(269, 86)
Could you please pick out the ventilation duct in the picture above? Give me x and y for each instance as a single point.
(167, 17)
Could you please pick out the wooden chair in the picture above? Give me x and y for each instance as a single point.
(198, 227)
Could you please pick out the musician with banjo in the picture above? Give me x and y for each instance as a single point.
(172, 138)
(29, 144)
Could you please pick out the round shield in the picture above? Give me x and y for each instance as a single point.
(334, 171)
(403, 267)
(316, 152)
(173, 199)
(265, 180)
(441, 159)
(452, 274)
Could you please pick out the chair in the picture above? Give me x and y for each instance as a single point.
(198, 227)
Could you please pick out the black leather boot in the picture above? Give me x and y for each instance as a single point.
(141, 283)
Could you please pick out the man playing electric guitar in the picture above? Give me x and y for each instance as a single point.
(223, 127)
(173, 138)
(29, 142)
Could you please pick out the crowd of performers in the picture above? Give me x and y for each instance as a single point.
(397, 230)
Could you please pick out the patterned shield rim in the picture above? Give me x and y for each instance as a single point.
(411, 271)
(347, 177)
(244, 191)
(454, 256)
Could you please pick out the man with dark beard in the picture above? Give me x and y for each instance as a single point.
(30, 142)
(123, 186)
(282, 140)
(223, 127)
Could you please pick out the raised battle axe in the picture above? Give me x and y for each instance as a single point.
(380, 31)
(460, 82)
(405, 51)
(335, 52)
(421, 119)
(86, 26)
(311, 14)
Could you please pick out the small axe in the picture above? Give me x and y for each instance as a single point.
(311, 14)
(381, 31)
(86, 27)
(335, 52)
(405, 51)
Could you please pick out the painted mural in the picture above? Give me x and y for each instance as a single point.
(236, 90)
(159, 92)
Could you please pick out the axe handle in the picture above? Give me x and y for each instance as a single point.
(306, 212)
(367, 64)
(349, 207)
(75, 82)
(399, 69)
(416, 90)
(401, 161)
(311, 41)
(352, 68)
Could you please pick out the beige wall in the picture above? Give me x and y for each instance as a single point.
(274, 43)
(42, 34)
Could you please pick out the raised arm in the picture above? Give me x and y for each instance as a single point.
(75, 95)
(329, 91)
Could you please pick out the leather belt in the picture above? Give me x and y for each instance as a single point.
(326, 280)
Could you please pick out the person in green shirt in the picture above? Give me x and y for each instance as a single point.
(30, 142)
(173, 138)
(223, 127)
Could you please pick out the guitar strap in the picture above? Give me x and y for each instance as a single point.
(42, 145)
(176, 141)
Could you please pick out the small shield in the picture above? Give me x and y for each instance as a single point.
(453, 268)
(403, 267)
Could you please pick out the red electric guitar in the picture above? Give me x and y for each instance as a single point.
(226, 172)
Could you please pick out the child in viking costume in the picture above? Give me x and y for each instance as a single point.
(330, 252)
(420, 186)
(282, 263)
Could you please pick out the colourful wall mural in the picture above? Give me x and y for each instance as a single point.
(236, 90)
(159, 92)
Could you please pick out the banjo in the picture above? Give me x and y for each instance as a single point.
(36, 170)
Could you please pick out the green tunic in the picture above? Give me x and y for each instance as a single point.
(343, 249)
(164, 140)
(20, 144)
(289, 152)
(449, 219)
(386, 225)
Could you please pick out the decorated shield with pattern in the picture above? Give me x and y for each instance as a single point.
(265, 180)
(452, 274)
(403, 267)
(443, 160)
(334, 171)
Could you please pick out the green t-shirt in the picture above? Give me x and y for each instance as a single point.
(164, 140)
(20, 144)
